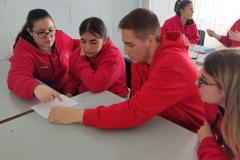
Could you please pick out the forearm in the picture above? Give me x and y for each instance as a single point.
(217, 36)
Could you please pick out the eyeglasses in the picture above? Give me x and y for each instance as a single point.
(201, 81)
(43, 35)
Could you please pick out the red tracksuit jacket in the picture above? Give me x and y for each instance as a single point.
(210, 148)
(28, 63)
(225, 39)
(189, 29)
(107, 72)
(167, 89)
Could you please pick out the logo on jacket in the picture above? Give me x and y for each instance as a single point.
(43, 66)
(67, 56)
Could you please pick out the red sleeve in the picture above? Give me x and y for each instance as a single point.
(20, 77)
(71, 84)
(209, 149)
(195, 36)
(106, 74)
(68, 41)
(76, 44)
(140, 71)
(225, 39)
(135, 81)
(156, 95)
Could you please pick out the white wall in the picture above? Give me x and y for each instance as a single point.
(218, 15)
(67, 15)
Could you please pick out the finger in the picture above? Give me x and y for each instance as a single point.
(48, 100)
(56, 95)
(43, 101)
(52, 98)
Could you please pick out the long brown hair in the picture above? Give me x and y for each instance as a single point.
(224, 67)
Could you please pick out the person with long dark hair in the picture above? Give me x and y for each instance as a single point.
(40, 52)
(183, 22)
(97, 65)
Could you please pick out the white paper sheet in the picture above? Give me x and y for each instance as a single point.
(193, 54)
(44, 109)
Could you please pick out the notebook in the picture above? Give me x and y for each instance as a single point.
(200, 49)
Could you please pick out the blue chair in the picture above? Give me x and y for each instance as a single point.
(202, 37)
(128, 71)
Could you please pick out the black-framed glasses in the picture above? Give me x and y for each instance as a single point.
(43, 35)
(201, 81)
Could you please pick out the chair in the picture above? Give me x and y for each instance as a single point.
(128, 71)
(202, 37)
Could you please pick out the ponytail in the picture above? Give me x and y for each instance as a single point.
(23, 32)
(180, 4)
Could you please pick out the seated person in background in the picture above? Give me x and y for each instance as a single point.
(41, 52)
(232, 39)
(97, 65)
(183, 22)
(219, 86)
(162, 85)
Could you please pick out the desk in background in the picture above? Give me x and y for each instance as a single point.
(11, 105)
(35, 138)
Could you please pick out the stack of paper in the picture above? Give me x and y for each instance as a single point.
(44, 109)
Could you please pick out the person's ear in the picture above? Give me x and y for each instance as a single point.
(29, 32)
(151, 40)
(181, 11)
(105, 40)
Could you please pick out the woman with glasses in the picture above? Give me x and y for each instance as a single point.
(97, 65)
(219, 87)
(40, 53)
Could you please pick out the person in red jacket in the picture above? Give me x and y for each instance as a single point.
(232, 39)
(183, 22)
(162, 85)
(219, 86)
(40, 52)
(97, 65)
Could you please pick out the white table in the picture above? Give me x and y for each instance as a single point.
(11, 105)
(32, 137)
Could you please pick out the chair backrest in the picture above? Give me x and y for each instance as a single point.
(202, 37)
(128, 71)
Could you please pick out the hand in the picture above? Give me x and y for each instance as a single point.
(210, 32)
(185, 39)
(82, 53)
(64, 115)
(46, 94)
(69, 95)
(234, 35)
(204, 131)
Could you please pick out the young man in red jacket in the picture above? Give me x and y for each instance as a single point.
(163, 77)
